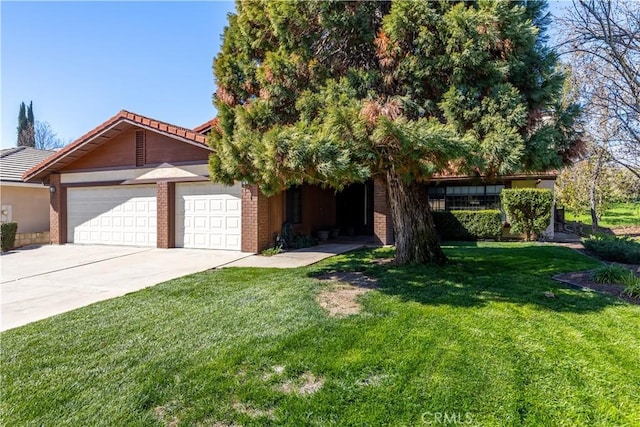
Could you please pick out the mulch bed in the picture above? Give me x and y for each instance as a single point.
(584, 280)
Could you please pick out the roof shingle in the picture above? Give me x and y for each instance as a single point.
(16, 161)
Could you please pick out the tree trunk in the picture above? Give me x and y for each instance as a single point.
(415, 234)
(592, 191)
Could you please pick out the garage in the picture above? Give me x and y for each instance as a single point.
(112, 215)
(208, 216)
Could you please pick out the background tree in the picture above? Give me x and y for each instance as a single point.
(333, 93)
(602, 44)
(579, 192)
(26, 126)
(46, 138)
(22, 126)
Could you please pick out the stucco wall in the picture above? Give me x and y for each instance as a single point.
(29, 207)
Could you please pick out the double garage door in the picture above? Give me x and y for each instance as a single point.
(207, 215)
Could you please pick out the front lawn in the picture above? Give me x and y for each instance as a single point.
(476, 341)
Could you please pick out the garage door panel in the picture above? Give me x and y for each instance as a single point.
(203, 213)
(123, 215)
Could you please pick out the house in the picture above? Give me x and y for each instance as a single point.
(24, 203)
(138, 181)
(458, 192)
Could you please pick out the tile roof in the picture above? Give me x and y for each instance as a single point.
(16, 161)
(102, 132)
(205, 127)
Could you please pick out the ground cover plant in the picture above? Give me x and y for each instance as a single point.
(612, 248)
(488, 338)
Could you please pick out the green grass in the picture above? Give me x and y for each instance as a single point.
(476, 340)
(620, 214)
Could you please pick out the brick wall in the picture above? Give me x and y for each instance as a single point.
(255, 220)
(57, 212)
(166, 208)
(24, 239)
(382, 224)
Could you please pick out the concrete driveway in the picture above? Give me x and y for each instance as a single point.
(40, 281)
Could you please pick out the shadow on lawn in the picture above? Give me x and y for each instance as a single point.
(477, 276)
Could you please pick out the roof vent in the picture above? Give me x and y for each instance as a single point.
(140, 148)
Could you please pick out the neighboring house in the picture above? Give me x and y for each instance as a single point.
(138, 181)
(476, 193)
(24, 203)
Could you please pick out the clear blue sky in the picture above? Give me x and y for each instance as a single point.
(82, 62)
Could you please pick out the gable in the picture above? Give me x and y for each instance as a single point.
(120, 151)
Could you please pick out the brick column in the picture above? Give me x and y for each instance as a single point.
(166, 214)
(382, 224)
(57, 212)
(255, 220)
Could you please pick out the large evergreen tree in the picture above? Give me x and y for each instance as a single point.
(332, 92)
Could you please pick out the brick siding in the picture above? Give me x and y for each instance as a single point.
(255, 220)
(382, 224)
(57, 212)
(166, 209)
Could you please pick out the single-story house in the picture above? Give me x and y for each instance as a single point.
(138, 181)
(24, 203)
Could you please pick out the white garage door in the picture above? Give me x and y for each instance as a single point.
(123, 215)
(208, 216)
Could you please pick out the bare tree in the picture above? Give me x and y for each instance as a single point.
(602, 44)
(46, 138)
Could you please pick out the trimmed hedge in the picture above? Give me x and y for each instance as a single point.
(612, 248)
(468, 225)
(8, 232)
(528, 209)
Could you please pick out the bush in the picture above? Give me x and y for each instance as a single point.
(528, 209)
(468, 225)
(631, 284)
(612, 248)
(8, 232)
(610, 274)
(303, 241)
(271, 251)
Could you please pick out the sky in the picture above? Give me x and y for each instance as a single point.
(82, 62)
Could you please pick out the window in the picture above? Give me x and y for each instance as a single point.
(294, 205)
(465, 197)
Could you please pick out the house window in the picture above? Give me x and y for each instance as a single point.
(465, 197)
(294, 205)
(140, 148)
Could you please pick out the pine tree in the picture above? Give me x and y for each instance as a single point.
(22, 126)
(31, 129)
(332, 93)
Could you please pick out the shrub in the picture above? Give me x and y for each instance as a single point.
(8, 232)
(610, 274)
(612, 248)
(272, 251)
(631, 284)
(468, 225)
(303, 241)
(528, 209)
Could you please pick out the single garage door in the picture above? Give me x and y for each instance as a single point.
(208, 216)
(122, 215)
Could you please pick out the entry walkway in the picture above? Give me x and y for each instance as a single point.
(306, 256)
